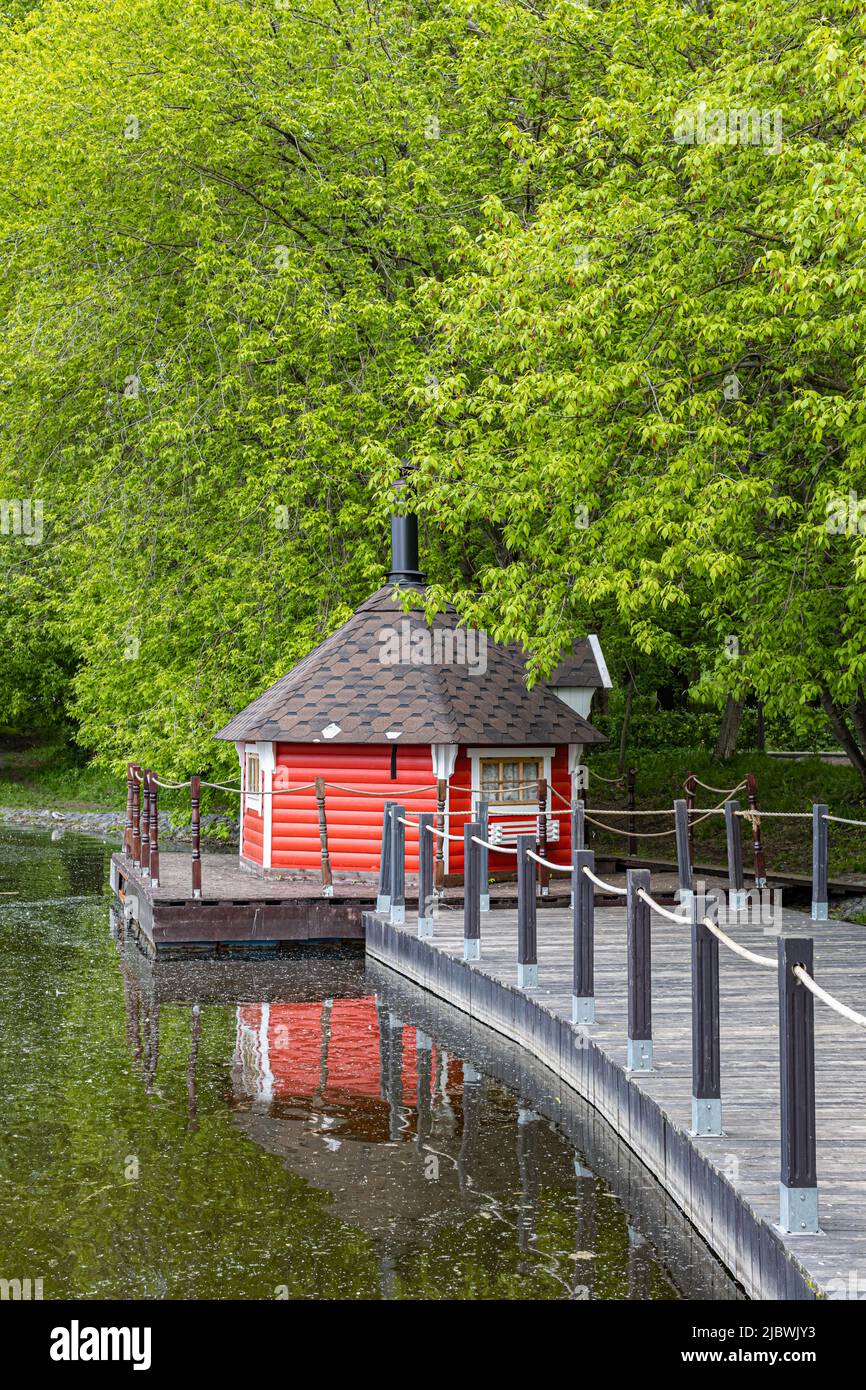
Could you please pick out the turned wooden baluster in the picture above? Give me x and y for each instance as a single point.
(541, 837)
(439, 871)
(136, 814)
(127, 831)
(195, 798)
(327, 877)
(145, 823)
(154, 830)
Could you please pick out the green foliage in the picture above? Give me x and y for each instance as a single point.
(257, 259)
(783, 785)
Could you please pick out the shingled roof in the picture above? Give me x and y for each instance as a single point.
(583, 666)
(345, 687)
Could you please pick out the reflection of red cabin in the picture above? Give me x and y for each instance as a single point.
(389, 704)
(329, 1051)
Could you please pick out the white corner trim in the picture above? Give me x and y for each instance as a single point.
(444, 757)
(267, 760)
(595, 647)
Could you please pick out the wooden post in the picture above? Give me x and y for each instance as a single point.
(706, 1053)
(441, 798)
(541, 846)
(426, 899)
(583, 931)
(631, 778)
(195, 802)
(136, 814)
(383, 899)
(527, 936)
(578, 827)
(760, 866)
(640, 1033)
(820, 861)
(130, 786)
(733, 834)
(471, 894)
(483, 817)
(690, 806)
(398, 865)
(145, 824)
(154, 830)
(798, 1192)
(327, 876)
(684, 862)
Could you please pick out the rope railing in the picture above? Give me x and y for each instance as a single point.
(498, 849)
(629, 834)
(836, 1004)
(444, 835)
(605, 887)
(548, 863)
(736, 947)
(841, 820)
(663, 911)
(720, 791)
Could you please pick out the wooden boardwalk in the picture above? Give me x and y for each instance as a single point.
(832, 1263)
(240, 909)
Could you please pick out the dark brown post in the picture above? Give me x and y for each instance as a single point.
(426, 901)
(758, 848)
(690, 806)
(583, 925)
(441, 797)
(130, 785)
(471, 893)
(136, 814)
(640, 1032)
(145, 822)
(632, 828)
(327, 876)
(541, 837)
(527, 935)
(799, 1177)
(154, 830)
(706, 1048)
(195, 799)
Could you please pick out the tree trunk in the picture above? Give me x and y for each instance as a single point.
(839, 725)
(760, 740)
(626, 720)
(729, 731)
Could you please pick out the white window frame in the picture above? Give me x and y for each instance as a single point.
(253, 799)
(543, 756)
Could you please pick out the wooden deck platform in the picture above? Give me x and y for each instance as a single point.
(240, 911)
(728, 1186)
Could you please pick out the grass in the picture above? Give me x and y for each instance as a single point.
(783, 785)
(41, 775)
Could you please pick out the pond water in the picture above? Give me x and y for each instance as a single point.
(305, 1128)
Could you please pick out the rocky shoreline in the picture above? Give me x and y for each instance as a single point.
(219, 829)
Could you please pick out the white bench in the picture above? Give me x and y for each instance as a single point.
(506, 832)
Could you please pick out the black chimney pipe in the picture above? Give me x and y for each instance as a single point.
(404, 550)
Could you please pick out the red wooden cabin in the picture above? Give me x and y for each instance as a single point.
(386, 707)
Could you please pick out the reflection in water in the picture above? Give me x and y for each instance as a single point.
(298, 1128)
